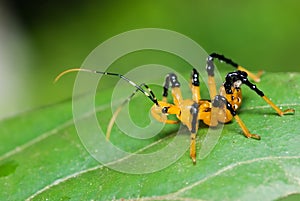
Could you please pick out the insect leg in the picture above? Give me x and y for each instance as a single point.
(162, 117)
(221, 103)
(222, 58)
(210, 68)
(166, 88)
(193, 129)
(195, 86)
(164, 108)
(171, 79)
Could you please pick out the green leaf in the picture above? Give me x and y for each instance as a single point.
(42, 157)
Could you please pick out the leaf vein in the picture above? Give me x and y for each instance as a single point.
(76, 174)
(45, 135)
(230, 167)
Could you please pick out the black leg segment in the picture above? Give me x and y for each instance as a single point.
(195, 78)
(171, 78)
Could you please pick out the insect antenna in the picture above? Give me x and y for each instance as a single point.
(116, 113)
(150, 95)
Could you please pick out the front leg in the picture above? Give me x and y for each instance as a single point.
(161, 112)
(171, 79)
(195, 86)
(193, 129)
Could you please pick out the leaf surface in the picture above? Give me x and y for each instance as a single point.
(42, 157)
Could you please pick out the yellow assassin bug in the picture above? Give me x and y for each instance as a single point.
(220, 109)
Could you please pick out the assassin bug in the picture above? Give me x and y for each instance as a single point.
(220, 109)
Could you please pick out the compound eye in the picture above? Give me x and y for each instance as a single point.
(235, 106)
(164, 110)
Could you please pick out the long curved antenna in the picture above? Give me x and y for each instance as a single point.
(150, 95)
(116, 113)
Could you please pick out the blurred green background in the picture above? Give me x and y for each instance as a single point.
(39, 39)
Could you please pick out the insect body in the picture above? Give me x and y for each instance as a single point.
(220, 109)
